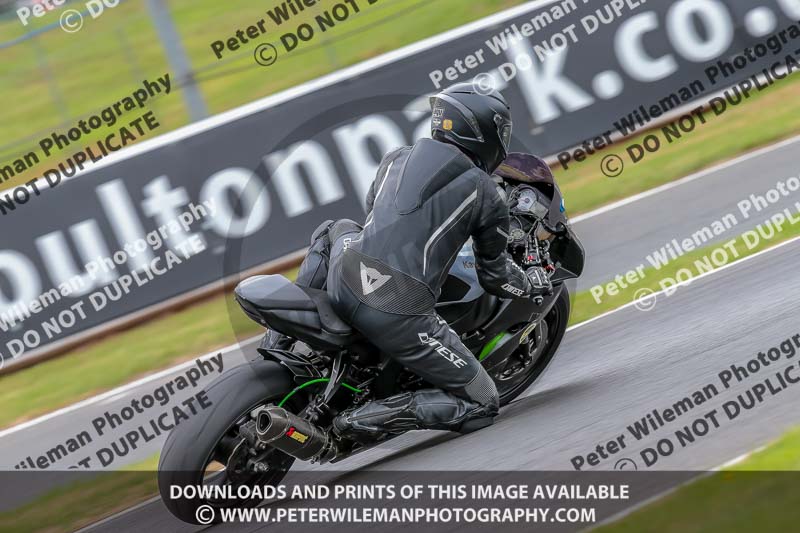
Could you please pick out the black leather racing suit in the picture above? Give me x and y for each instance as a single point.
(425, 203)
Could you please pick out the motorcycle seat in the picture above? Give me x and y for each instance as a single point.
(275, 298)
(268, 293)
(327, 316)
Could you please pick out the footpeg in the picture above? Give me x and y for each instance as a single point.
(293, 435)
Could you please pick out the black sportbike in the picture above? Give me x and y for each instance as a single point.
(279, 408)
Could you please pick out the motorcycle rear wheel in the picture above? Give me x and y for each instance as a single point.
(208, 449)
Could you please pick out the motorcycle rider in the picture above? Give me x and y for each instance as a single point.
(426, 201)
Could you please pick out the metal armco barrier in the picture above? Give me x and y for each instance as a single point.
(277, 168)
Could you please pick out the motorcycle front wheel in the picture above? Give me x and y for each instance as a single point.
(530, 360)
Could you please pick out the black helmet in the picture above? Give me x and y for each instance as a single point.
(478, 123)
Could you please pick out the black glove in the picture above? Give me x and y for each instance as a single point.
(540, 281)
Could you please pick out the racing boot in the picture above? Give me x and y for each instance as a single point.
(424, 409)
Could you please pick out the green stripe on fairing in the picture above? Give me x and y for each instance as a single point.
(314, 382)
(489, 347)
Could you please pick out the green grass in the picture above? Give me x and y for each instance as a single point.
(57, 77)
(175, 337)
(202, 328)
(178, 336)
(125, 50)
(759, 494)
(722, 502)
(756, 495)
(122, 357)
(767, 117)
(76, 505)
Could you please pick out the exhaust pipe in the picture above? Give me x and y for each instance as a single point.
(293, 435)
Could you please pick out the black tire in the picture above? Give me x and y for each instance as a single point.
(557, 320)
(189, 447)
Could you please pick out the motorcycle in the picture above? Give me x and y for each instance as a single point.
(279, 408)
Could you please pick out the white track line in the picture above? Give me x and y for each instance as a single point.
(610, 207)
(685, 180)
(119, 390)
(740, 459)
(613, 518)
(616, 517)
(228, 349)
(736, 460)
(119, 515)
(689, 282)
(335, 77)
